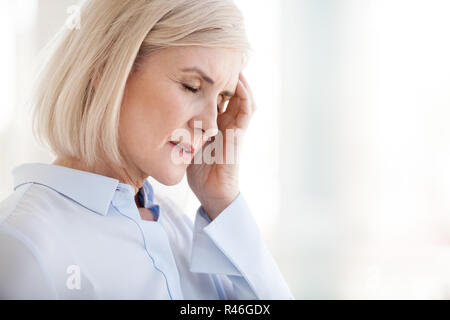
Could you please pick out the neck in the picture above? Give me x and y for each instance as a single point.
(104, 169)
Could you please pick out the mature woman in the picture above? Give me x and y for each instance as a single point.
(139, 89)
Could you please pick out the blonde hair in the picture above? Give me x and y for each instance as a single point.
(80, 88)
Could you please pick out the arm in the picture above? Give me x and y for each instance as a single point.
(231, 247)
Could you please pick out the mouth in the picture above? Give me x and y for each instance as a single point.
(185, 147)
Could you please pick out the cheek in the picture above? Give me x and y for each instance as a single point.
(150, 116)
(150, 128)
(174, 111)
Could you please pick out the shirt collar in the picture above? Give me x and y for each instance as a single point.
(91, 190)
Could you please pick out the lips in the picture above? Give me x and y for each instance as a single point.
(188, 148)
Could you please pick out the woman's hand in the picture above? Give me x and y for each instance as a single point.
(216, 185)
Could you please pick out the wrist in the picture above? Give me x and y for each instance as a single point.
(214, 207)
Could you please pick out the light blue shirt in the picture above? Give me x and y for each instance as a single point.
(71, 234)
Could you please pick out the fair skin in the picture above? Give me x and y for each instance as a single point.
(156, 103)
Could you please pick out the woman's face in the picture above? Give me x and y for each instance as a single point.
(156, 103)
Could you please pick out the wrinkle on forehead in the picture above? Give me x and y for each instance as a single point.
(221, 64)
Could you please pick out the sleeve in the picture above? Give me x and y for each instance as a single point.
(231, 247)
(22, 274)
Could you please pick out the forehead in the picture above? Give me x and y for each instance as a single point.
(221, 64)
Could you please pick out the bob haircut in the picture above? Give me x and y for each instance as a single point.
(77, 99)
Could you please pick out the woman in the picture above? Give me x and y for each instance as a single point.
(139, 89)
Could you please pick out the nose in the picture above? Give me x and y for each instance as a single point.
(206, 121)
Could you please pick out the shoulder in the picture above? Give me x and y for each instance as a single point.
(37, 227)
(31, 204)
(38, 214)
(23, 273)
(12, 203)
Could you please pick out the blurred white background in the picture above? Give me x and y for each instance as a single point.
(347, 160)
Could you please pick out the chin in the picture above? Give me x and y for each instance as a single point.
(171, 177)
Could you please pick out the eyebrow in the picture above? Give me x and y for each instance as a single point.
(207, 79)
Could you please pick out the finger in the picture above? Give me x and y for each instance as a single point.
(245, 107)
(240, 102)
(247, 86)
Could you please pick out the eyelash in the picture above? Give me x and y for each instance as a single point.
(194, 91)
(190, 89)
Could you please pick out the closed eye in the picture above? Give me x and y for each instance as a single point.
(193, 90)
(190, 89)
